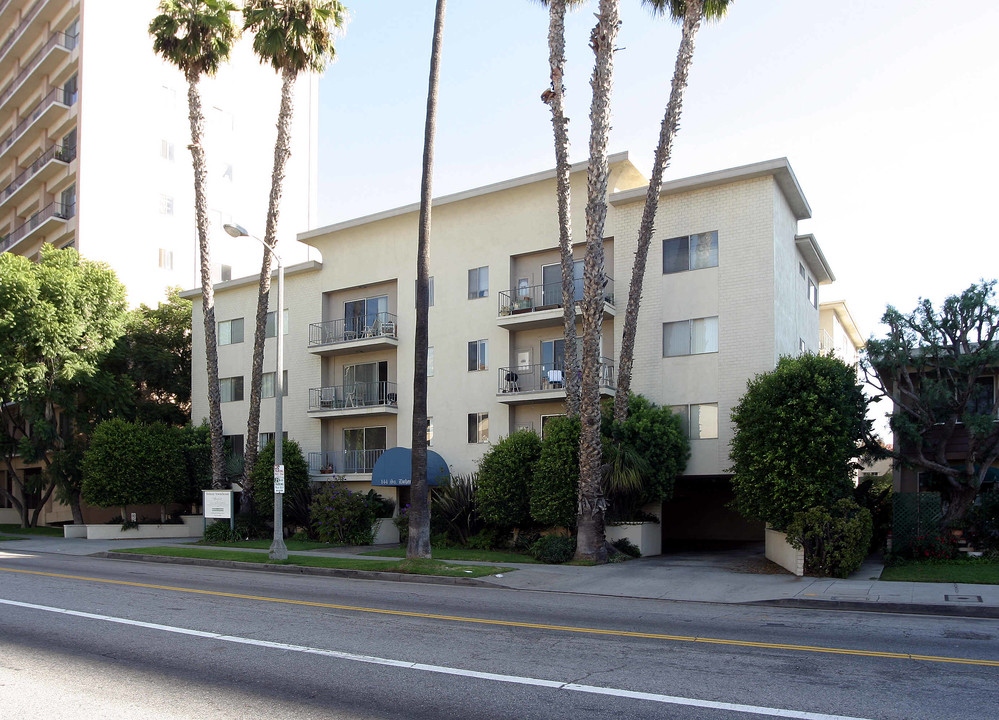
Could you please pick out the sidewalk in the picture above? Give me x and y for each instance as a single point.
(730, 576)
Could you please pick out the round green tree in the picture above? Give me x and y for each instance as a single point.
(504, 480)
(553, 495)
(798, 432)
(296, 477)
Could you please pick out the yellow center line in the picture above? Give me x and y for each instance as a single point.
(534, 626)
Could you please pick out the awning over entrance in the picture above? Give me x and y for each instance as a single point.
(395, 468)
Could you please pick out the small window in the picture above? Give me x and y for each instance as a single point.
(267, 389)
(166, 205)
(478, 428)
(166, 259)
(478, 355)
(231, 389)
(813, 294)
(230, 332)
(225, 273)
(430, 431)
(801, 270)
(70, 92)
(690, 337)
(430, 361)
(690, 252)
(166, 150)
(802, 347)
(704, 421)
(266, 438)
(226, 171)
(270, 327)
(478, 282)
(67, 203)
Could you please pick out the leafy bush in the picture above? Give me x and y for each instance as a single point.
(342, 517)
(983, 523)
(835, 540)
(454, 508)
(553, 549)
(296, 479)
(487, 539)
(797, 432)
(504, 480)
(941, 546)
(220, 532)
(627, 547)
(401, 522)
(380, 505)
(553, 496)
(197, 446)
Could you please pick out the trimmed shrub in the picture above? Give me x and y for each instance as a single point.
(835, 540)
(553, 495)
(296, 479)
(627, 547)
(504, 480)
(553, 549)
(342, 517)
(220, 532)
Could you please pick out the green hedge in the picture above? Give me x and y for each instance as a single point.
(835, 540)
(555, 488)
(504, 480)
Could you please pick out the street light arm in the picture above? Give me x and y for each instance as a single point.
(236, 231)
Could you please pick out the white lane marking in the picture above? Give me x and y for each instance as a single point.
(444, 670)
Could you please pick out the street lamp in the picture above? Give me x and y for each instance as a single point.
(279, 550)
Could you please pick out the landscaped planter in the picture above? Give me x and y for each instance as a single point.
(779, 551)
(191, 526)
(386, 533)
(646, 536)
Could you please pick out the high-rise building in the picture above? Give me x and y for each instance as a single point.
(94, 139)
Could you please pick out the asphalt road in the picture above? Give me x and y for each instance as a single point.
(90, 638)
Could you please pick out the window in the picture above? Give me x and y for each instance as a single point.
(690, 337)
(982, 397)
(166, 259)
(478, 282)
(801, 270)
(70, 92)
(267, 384)
(478, 427)
(691, 252)
(551, 279)
(802, 347)
(699, 422)
(270, 327)
(430, 431)
(233, 446)
(478, 355)
(72, 34)
(813, 293)
(166, 205)
(267, 438)
(366, 384)
(226, 171)
(360, 316)
(684, 412)
(166, 150)
(430, 361)
(67, 202)
(69, 146)
(230, 332)
(231, 388)
(225, 273)
(362, 447)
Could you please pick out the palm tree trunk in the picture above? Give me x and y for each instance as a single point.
(555, 98)
(197, 120)
(684, 56)
(419, 510)
(590, 540)
(282, 151)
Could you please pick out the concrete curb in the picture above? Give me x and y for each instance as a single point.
(968, 611)
(301, 570)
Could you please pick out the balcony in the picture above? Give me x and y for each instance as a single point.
(50, 164)
(6, 14)
(545, 382)
(48, 57)
(360, 398)
(17, 37)
(354, 335)
(325, 465)
(49, 107)
(52, 215)
(540, 306)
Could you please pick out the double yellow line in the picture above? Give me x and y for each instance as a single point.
(535, 626)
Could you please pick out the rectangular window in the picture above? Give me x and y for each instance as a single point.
(70, 92)
(690, 252)
(166, 150)
(802, 347)
(225, 274)
(362, 447)
(230, 332)
(231, 388)
(551, 283)
(813, 293)
(266, 439)
(430, 431)
(270, 325)
(478, 427)
(478, 282)
(233, 446)
(690, 337)
(68, 152)
(478, 355)
(166, 205)
(430, 361)
(684, 412)
(267, 389)
(226, 171)
(166, 259)
(982, 397)
(801, 270)
(364, 318)
(67, 202)
(704, 421)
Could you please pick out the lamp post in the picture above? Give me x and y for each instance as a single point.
(279, 550)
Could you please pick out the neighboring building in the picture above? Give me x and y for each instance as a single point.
(839, 333)
(93, 146)
(731, 286)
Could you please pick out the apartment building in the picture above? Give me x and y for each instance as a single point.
(731, 286)
(93, 146)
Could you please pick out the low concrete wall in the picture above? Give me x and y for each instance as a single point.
(192, 526)
(779, 551)
(647, 537)
(74, 531)
(386, 533)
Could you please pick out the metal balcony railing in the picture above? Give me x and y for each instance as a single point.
(382, 324)
(343, 462)
(55, 95)
(357, 395)
(546, 376)
(58, 39)
(16, 32)
(52, 210)
(56, 152)
(544, 297)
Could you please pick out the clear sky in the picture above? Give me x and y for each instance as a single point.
(886, 110)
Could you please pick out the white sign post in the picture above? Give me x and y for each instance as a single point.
(279, 478)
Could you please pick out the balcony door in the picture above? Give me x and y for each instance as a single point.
(362, 447)
(365, 384)
(553, 354)
(551, 279)
(362, 315)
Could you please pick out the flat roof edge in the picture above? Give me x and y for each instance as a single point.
(296, 269)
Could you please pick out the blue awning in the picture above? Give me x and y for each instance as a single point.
(395, 468)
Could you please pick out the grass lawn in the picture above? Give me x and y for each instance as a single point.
(489, 556)
(266, 544)
(18, 530)
(412, 567)
(980, 571)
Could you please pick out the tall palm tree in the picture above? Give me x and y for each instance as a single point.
(590, 540)
(197, 37)
(689, 13)
(419, 509)
(293, 36)
(554, 97)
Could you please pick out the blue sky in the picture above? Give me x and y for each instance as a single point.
(885, 110)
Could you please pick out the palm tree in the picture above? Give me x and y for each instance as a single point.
(293, 36)
(689, 13)
(197, 37)
(554, 97)
(590, 540)
(419, 509)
